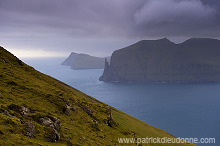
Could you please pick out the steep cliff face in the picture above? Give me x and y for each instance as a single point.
(84, 61)
(195, 60)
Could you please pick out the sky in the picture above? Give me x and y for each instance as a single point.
(54, 28)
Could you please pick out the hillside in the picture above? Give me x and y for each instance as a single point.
(36, 109)
(195, 60)
(84, 61)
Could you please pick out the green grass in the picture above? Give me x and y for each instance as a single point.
(22, 85)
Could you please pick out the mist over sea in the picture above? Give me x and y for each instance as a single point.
(184, 110)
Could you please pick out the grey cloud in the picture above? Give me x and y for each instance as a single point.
(175, 18)
(98, 18)
(76, 17)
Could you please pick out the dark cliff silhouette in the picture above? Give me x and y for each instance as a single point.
(195, 60)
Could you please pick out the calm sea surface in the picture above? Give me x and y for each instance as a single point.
(184, 110)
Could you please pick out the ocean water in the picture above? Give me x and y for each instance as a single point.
(184, 110)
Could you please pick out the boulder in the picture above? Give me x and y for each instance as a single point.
(24, 111)
(69, 108)
(30, 128)
(54, 124)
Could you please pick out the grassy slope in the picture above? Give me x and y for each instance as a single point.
(22, 85)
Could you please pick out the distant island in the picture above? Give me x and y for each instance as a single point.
(84, 61)
(195, 60)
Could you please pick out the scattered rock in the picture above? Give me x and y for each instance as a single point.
(55, 136)
(87, 110)
(49, 121)
(3, 61)
(109, 121)
(46, 121)
(7, 113)
(53, 118)
(109, 112)
(30, 128)
(68, 108)
(96, 125)
(54, 124)
(75, 109)
(24, 111)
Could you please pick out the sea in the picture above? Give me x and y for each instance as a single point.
(186, 110)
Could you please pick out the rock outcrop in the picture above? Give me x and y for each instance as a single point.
(30, 128)
(195, 60)
(54, 124)
(84, 61)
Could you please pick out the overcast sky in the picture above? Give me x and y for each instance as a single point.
(98, 27)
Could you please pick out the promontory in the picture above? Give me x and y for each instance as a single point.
(195, 60)
(79, 61)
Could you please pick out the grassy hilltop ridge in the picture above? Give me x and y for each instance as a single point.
(36, 109)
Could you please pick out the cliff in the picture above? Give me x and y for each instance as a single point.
(195, 60)
(84, 61)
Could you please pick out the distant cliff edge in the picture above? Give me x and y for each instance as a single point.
(84, 61)
(195, 60)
